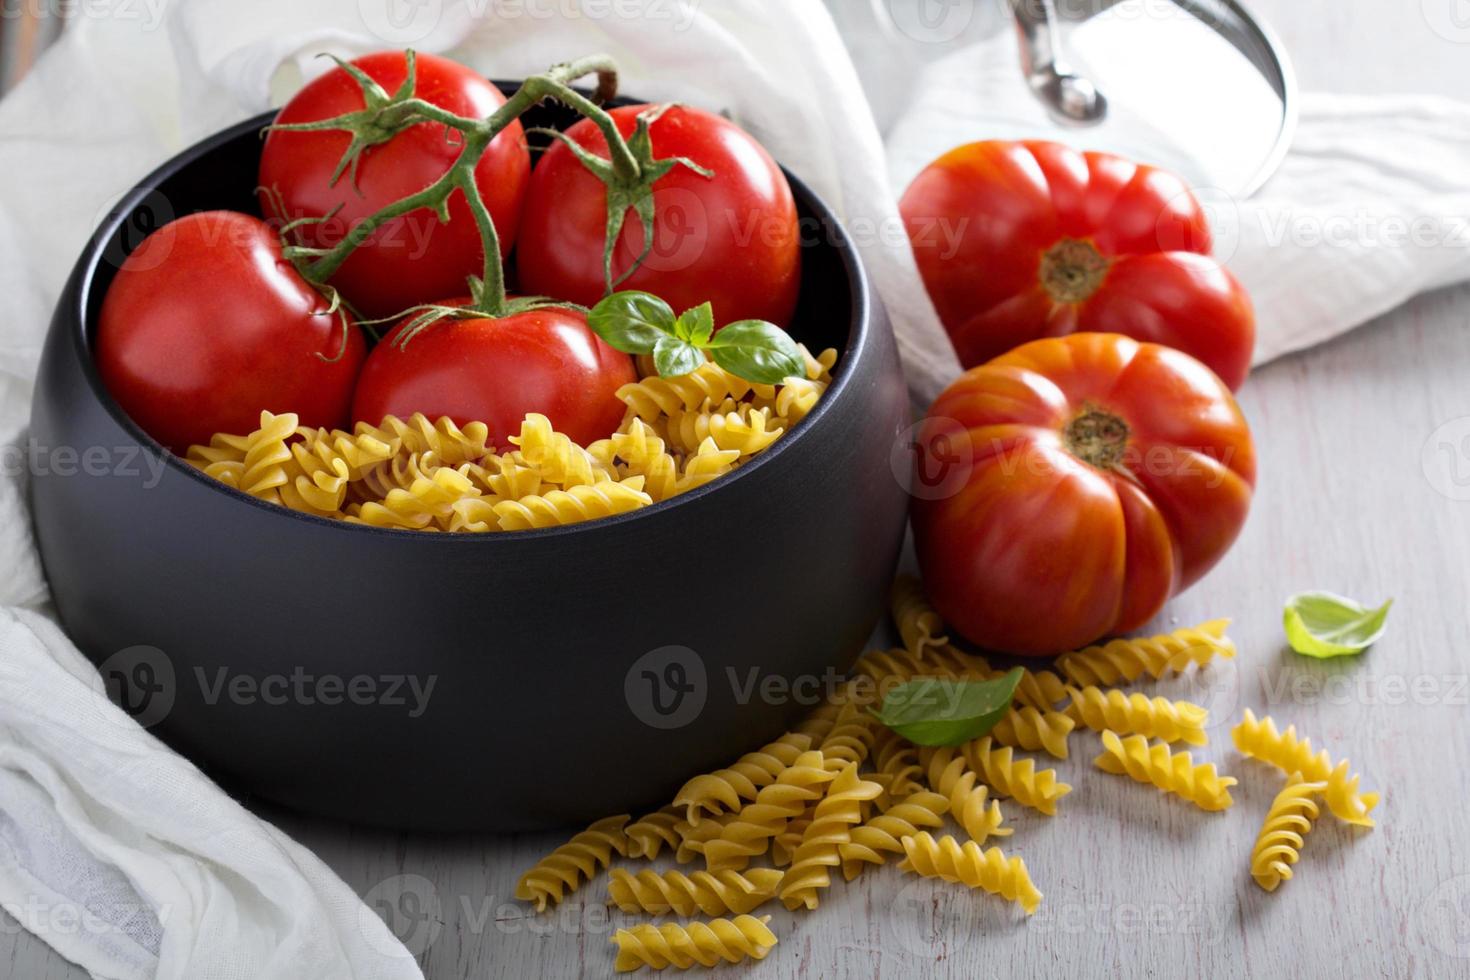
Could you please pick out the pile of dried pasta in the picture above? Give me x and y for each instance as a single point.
(842, 793)
(679, 433)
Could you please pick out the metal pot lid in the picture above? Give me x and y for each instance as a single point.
(1201, 87)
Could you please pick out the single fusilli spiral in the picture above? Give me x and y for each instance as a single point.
(918, 624)
(268, 457)
(705, 943)
(427, 502)
(971, 865)
(560, 460)
(1290, 753)
(223, 459)
(831, 827)
(1027, 728)
(851, 738)
(1124, 660)
(750, 833)
(1288, 821)
(883, 834)
(710, 893)
(572, 505)
(648, 835)
(1017, 778)
(897, 760)
(1169, 771)
(416, 434)
(709, 462)
(949, 775)
(1138, 714)
(1040, 689)
(730, 788)
(566, 868)
(655, 396)
(745, 429)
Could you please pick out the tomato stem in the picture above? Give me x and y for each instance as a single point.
(384, 116)
(1072, 270)
(1097, 437)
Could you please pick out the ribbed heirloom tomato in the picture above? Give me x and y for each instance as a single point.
(414, 258)
(1018, 241)
(731, 239)
(1067, 489)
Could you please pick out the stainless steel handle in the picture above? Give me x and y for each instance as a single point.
(1070, 98)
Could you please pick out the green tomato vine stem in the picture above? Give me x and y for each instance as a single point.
(384, 116)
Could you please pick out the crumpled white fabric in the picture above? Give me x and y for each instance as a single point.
(124, 857)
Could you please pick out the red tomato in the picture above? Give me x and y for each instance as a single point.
(1017, 241)
(1070, 487)
(414, 258)
(497, 371)
(731, 239)
(206, 325)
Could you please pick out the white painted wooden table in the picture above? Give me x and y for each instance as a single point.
(1364, 489)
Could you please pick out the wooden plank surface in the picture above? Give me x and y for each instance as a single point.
(1364, 489)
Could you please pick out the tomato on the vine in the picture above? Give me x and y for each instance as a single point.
(1017, 241)
(731, 238)
(414, 258)
(498, 370)
(1070, 487)
(206, 325)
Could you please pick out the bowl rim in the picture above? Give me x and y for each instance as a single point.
(833, 233)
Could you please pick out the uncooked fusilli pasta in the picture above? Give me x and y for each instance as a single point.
(712, 893)
(566, 868)
(969, 864)
(671, 944)
(1138, 714)
(1287, 822)
(1169, 771)
(1017, 778)
(835, 815)
(1124, 660)
(1289, 753)
(417, 474)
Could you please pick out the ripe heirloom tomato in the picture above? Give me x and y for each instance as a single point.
(414, 258)
(497, 371)
(731, 239)
(1017, 241)
(1097, 477)
(206, 325)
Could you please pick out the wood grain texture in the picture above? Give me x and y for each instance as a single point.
(1364, 444)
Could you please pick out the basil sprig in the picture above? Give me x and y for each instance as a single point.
(636, 322)
(940, 711)
(1321, 624)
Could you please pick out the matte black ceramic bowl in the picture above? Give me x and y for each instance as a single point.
(576, 672)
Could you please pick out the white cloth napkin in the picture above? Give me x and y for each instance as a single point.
(101, 824)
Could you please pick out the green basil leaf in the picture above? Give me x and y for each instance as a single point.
(757, 351)
(673, 357)
(632, 321)
(1321, 624)
(940, 711)
(696, 325)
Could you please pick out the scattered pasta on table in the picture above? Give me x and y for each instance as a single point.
(843, 793)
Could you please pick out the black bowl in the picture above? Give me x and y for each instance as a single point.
(575, 672)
